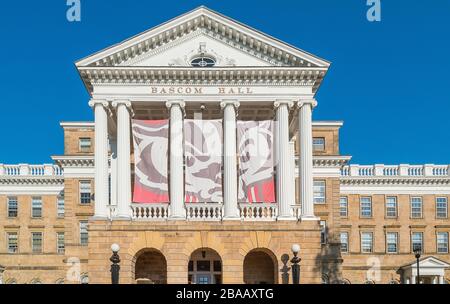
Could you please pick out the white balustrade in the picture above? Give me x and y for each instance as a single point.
(27, 170)
(393, 170)
(258, 211)
(150, 211)
(204, 211)
(296, 211)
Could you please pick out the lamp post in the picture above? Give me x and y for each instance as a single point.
(295, 264)
(417, 252)
(115, 267)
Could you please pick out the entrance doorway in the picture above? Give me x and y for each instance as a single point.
(150, 267)
(260, 267)
(205, 267)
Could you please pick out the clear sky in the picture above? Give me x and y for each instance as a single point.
(389, 81)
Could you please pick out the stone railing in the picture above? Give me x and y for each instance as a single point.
(27, 170)
(150, 211)
(258, 211)
(204, 211)
(400, 170)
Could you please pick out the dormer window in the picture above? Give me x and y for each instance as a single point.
(203, 62)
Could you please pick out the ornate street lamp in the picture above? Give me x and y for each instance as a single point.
(115, 267)
(417, 252)
(295, 264)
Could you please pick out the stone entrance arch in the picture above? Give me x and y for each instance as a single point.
(260, 267)
(205, 267)
(150, 267)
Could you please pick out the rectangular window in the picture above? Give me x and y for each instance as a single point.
(391, 207)
(366, 207)
(441, 208)
(366, 242)
(60, 244)
(416, 207)
(319, 192)
(13, 245)
(36, 207)
(344, 241)
(83, 233)
(392, 242)
(36, 242)
(60, 205)
(417, 241)
(343, 207)
(442, 242)
(12, 206)
(85, 192)
(85, 144)
(323, 232)
(318, 144)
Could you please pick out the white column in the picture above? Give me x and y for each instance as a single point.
(292, 173)
(113, 144)
(306, 158)
(123, 158)
(413, 279)
(283, 165)
(441, 279)
(101, 157)
(230, 182)
(176, 174)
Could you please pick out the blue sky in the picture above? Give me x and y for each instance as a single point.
(388, 81)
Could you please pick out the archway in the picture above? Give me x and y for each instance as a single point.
(260, 267)
(150, 267)
(205, 267)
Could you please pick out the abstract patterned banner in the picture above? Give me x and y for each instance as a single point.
(150, 138)
(256, 161)
(203, 155)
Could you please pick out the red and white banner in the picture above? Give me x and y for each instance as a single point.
(203, 159)
(150, 138)
(256, 161)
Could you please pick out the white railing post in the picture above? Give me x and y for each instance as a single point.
(354, 170)
(24, 169)
(48, 169)
(2, 169)
(379, 170)
(428, 169)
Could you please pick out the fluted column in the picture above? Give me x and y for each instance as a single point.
(283, 160)
(230, 182)
(123, 158)
(100, 157)
(306, 158)
(176, 181)
(113, 175)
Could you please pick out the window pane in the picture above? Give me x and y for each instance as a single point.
(441, 207)
(13, 245)
(343, 207)
(391, 207)
(323, 232)
(60, 243)
(391, 242)
(416, 207)
(60, 206)
(344, 241)
(442, 242)
(12, 206)
(319, 192)
(366, 207)
(85, 192)
(83, 233)
(36, 242)
(85, 144)
(417, 241)
(36, 207)
(318, 144)
(366, 242)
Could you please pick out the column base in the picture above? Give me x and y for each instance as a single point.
(309, 218)
(286, 218)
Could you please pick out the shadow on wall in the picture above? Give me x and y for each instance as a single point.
(329, 261)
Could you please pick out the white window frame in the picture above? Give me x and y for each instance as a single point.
(323, 232)
(389, 208)
(12, 199)
(343, 201)
(60, 206)
(421, 240)
(445, 243)
(391, 233)
(361, 214)
(36, 199)
(8, 242)
(413, 212)
(346, 248)
(34, 248)
(82, 147)
(363, 240)
(320, 197)
(82, 190)
(84, 231)
(60, 247)
(318, 147)
(441, 214)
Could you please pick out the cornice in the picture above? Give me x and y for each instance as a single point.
(74, 161)
(330, 161)
(32, 180)
(397, 180)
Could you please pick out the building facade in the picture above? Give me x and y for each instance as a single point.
(133, 176)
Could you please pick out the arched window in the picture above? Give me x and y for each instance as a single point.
(203, 62)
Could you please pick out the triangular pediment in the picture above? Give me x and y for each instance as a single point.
(428, 262)
(202, 32)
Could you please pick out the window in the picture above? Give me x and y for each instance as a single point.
(83, 233)
(60, 244)
(319, 192)
(85, 192)
(318, 144)
(36, 242)
(417, 241)
(416, 207)
(391, 207)
(392, 242)
(203, 62)
(343, 207)
(344, 241)
(442, 242)
(366, 207)
(441, 207)
(323, 232)
(36, 207)
(12, 206)
(85, 144)
(60, 205)
(13, 246)
(366, 242)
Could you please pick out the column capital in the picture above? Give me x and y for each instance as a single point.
(179, 102)
(303, 102)
(94, 102)
(226, 102)
(280, 102)
(117, 102)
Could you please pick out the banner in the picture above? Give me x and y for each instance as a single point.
(203, 160)
(150, 139)
(256, 161)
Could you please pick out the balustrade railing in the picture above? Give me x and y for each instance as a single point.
(27, 170)
(258, 211)
(150, 211)
(204, 211)
(400, 170)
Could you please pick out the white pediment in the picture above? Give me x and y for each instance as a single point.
(428, 262)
